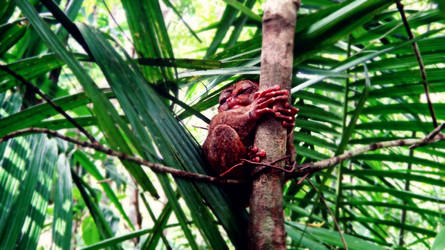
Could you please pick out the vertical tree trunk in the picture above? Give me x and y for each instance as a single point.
(266, 223)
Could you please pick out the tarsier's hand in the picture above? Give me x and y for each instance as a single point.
(287, 114)
(276, 101)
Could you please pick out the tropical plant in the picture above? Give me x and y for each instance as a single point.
(95, 95)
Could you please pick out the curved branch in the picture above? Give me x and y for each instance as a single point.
(99, 147)
(300, 170)
(312, 167)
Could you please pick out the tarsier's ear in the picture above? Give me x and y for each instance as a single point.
(256, 84)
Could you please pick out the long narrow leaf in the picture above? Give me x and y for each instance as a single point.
(63, 210)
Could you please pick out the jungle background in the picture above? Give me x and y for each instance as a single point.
(143, 77)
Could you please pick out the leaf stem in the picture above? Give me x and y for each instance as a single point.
(419, 61)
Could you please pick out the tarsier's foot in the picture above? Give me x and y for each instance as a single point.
(255, 154)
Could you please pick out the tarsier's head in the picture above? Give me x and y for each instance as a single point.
(239, 95)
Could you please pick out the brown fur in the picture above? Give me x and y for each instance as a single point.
(232, 130)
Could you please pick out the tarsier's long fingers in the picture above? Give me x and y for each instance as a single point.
(287, 110)
(262, 103)
(287, 121)
(279, 95)
(259, 112)
(285, 118)
(287, 114)
(273, 93)
(288, 124)
(291, 109)
(264, 92)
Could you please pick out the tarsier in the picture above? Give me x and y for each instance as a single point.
(232, 130)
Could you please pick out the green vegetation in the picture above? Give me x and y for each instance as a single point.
(142, 77)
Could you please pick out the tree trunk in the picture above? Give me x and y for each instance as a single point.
(266, 223)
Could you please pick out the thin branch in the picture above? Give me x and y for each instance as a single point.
(420, 62)
(312, 167)
(99, 147)
(286, 169)
(301, 170)
(429, 137)
(116, 23)
(322, 199)
(48, 100)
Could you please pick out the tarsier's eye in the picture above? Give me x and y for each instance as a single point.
(222, 101)
(224, 96)
(244, 91)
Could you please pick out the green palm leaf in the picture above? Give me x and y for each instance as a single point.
(356, 81)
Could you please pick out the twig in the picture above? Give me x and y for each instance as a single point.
(419, 60)
(286, 169)
(430, 136)
(116, 23)
(322, 199)
(99, 147)
(261, 164)
(231, 169)
(302, 178)
(312, 167)
(49, 101)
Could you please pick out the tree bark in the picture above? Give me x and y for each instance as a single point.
(266, 223)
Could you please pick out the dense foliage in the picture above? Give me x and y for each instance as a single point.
(143, 78)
